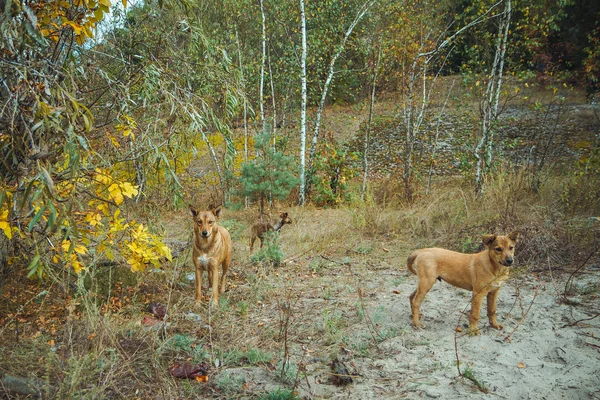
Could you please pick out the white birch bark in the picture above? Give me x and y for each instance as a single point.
(436, 139)
(369, 124)
(302, 188)
(484, 150)
(331, 71)
(274, 102)
(262, 67)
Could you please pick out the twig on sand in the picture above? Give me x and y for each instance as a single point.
(570, 280)
(370, 324)
(574, 323)
(537, 290)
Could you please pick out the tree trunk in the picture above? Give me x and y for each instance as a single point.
(301, 194)
(369, 123)
(313, 147)
(435, 140)
(274, 129)
(484, 149)
(262, 68)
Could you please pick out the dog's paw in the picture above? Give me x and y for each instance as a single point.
(497, 326)
(474, 332)
(418, 325)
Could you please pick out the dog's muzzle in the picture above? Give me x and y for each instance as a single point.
(205, 234)
(508, 262)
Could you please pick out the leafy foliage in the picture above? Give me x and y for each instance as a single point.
(269, 175)
(335, 166)
(270, 253)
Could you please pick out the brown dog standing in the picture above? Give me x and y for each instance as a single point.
(483, 273)
(212, 249)
(260, 228)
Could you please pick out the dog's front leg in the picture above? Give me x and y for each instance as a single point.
(213, 280)
(198, 284)
(475, 312)
(492, 298)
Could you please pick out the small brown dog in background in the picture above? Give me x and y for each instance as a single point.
(212, 249)
(483, 273)
(260, 228)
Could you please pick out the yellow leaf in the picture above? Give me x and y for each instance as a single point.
(76, 27)
(5, 226)
(66, 245)
(128, 189)
(80, 249)
(521, 365)
(115, 193)
(77, 267)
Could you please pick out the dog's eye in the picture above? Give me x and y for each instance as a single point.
(498, 249)
(512, 248)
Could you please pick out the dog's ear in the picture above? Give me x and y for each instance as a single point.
(514, 236)
(217, 211)
(193, 211)
(488, 239)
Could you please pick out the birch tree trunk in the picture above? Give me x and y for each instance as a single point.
(415, 106)
(262, 67)
(301, 194)
(435, 140)
(331, 71)
(369, 124)
(274, 105)
(489, 108)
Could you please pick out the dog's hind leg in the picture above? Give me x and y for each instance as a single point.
(492, 298)
(416, 298)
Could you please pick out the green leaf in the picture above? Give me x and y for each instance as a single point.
(52, 216)
(82, 140)
(33, 265)
(36, 218)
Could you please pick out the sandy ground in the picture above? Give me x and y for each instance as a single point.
(540, 354)
(544, 358)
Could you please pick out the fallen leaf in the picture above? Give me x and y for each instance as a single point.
(189, 371)
(341, 374)
(386, 250)
(396, 291)
(158, 310)
(149, 321)
(521, 365)
(458, 329)
(51, 342)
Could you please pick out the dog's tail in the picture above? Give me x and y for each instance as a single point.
(410, 262)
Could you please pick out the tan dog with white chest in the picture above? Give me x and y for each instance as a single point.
(212, 249)
(483, 273)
